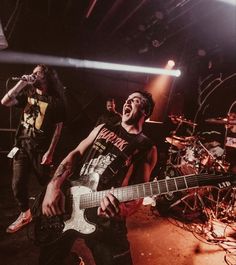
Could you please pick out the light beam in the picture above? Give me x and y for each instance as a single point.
(231, 2)
(27, 58)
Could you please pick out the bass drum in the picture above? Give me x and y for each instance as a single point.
(164, 202)
(184, 205)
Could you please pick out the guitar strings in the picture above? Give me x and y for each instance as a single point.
(142, 190)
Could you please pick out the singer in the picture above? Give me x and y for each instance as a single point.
(40, 95)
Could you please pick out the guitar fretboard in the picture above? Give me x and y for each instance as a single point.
(138, 191)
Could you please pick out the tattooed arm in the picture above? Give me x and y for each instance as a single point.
(53, 203)
(10, 97)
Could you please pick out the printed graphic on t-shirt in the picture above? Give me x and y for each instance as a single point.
(34, 113)
(106, 149)
(97, 165)
(111, 137)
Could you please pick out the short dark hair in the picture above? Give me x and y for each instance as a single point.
(148, 108)
(110, 99)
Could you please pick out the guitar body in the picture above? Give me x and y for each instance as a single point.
(78, 220)
(49, 229)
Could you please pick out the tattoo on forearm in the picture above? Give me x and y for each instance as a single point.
(60, 170)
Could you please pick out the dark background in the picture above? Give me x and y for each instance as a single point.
(200, 35)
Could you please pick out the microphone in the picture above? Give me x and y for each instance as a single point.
(27, 78)
(17, 78)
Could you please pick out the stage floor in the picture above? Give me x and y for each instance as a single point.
(154, 239)
(162, 240)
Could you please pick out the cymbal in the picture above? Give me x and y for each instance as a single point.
(180, 138)
(190, 138)
(185, 138)
(224, 121)
(178, 143)
(210, 133)
(154, 122)
(181, 119)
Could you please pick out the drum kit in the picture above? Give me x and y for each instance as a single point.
(196, 154)
(193, 154)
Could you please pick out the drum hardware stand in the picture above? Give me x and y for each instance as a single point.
(169, 161)
(170, 151)
(231, 204)
(194, 127)
(214, 159)
(170, 155)
(177, 128)
(226, 131)
(198, 203)
(225, 140)
(223, 207)
(196, 198)
(217, 202)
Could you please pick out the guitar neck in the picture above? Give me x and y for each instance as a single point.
(154, 188)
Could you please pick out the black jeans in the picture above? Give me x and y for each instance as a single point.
(114, 252)
(26, 161)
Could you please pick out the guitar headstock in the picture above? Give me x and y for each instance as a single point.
(228, 179)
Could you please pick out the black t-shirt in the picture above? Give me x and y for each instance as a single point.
(40, 115)
(112, 144)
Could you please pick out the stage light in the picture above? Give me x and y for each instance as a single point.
(3, 41)
(142, 27)
(171, 63)
(178, 73)
(159, 15)
(231, 2)
(156, 43)
(122, 67)
(26, 58)
(160, 87)
(201, 52)
(143, 49)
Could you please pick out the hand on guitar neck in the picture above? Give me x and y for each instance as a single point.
(109, 206)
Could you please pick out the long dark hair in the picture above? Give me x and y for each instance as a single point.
(54, 85)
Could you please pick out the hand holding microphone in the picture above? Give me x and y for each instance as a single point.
(10, 98)
(30, 79)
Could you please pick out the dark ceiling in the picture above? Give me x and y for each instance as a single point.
(147, 31)
(200, 35)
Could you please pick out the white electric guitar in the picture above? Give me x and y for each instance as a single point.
(83, 197)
